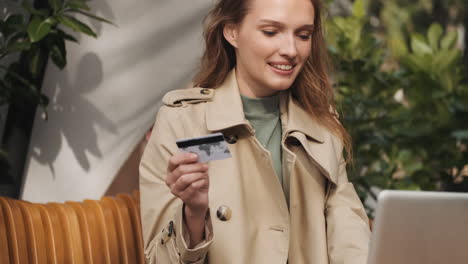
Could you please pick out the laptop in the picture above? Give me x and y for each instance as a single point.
(413, 227)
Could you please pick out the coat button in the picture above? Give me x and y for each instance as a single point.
(224, 213)
(205, 91)
(167, 232)
(231, 139)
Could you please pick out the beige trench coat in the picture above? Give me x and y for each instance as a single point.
(323, 222)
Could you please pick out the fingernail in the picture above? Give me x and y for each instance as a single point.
(193, 156)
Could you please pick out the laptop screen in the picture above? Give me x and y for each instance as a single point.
(414, 227)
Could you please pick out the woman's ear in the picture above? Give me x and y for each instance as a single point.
(230, 34)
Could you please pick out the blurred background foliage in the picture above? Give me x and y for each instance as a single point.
(402, 91)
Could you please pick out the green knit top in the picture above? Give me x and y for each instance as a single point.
(264, 115)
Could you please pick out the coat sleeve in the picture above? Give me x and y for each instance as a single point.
(348, 231)
(161, 212)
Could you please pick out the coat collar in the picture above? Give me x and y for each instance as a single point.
(225, 111)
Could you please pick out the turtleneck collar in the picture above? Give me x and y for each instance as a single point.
(264, 106)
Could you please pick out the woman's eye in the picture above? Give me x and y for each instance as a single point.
(304, 37)
(269, 33)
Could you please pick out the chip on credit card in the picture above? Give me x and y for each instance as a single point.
(208, 148)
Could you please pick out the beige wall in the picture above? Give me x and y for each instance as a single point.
(126, 179)
(107, 97)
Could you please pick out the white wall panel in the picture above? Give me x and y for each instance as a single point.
(107, 97)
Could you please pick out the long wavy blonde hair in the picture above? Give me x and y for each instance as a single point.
(312, 88)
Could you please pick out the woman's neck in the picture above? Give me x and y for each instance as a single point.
(246, 88)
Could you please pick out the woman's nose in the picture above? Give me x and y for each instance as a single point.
(288, 47)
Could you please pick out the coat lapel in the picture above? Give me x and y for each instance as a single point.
(295, 118)
(225, 111)
(315, 139)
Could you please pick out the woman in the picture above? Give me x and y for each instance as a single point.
(284, 195)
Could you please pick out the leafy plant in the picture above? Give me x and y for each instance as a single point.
(407, 112)
(40, 37)
(37, 34)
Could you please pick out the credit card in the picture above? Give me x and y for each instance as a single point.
(210, 147)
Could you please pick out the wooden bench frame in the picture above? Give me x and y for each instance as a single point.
(95, 232)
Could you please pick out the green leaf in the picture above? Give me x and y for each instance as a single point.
(449, 40)
(419, 45)
(93, 16)
(66, 36)
(434, 34)
(17, 76)
(18, 37)
(56, 5)
(14, 19)
(58, 57)
(460, 134)
(28, 6)
(13, 24)
(413, 62)
(18, 46)
(76, 25)
(38, 28)
(404, 155)
(411, 165)
(402, 185)
(58, 53)
(445, 60)
(77, 4)
(36, 61)
(359, 9)
(397, 45)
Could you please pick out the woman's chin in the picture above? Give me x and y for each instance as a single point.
(281, 83)
(280, 86)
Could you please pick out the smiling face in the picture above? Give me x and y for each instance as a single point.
(272, 43)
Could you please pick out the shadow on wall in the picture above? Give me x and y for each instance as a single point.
(103, 9)
(79, 131)
(100, 8)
